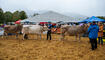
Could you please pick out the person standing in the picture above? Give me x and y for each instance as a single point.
(49, 30)
(100, 33)
(93, 34)
(89, 23)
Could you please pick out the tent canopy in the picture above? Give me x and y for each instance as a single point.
(93, 18)
(18, 22)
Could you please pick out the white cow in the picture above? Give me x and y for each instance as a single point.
(33, 29)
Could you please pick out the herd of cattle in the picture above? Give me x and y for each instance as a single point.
(77, 30)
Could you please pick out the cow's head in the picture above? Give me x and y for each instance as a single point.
(84, 27)
(64, 29)
(45, 28)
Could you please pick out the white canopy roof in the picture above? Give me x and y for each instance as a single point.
(51, 16)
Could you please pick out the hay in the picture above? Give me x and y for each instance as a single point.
(12, 49)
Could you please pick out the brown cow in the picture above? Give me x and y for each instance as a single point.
(73, 30)
(12, 29)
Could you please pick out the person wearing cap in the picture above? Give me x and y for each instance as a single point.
(100, 33)
(90, 23)
(93, 34)
(49, 30)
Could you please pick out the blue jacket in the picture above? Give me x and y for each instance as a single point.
(49, 26)
(93, 31)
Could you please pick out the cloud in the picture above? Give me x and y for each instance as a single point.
(84, 7)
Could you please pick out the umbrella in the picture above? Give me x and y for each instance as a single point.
(18, 22)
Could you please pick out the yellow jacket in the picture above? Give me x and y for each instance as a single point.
(100, 33)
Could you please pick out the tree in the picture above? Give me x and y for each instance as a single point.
(8, 16)
(101, 17)
(23, 15)
(35, 14)
(11, 17)
(16, 16)
(1, 16)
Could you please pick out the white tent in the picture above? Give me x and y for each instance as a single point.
(51, 16)
(26, 20)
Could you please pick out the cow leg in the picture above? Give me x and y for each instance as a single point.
(40, 36)
(62, 37)
(6, 35)
(2, 36)
(75, 38)
(23, 36)
(16, 36)
(79, 38)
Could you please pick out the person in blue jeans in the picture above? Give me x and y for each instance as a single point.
(93, 34)
(49, 30)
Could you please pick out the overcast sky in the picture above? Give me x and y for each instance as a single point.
(84, 7)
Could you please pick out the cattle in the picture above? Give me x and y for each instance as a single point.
(58, 29)
(33, 29)
(16, 29)
(77, 31)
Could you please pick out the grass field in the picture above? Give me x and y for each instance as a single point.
(33, 49)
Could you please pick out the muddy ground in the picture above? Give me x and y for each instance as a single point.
(36, 49)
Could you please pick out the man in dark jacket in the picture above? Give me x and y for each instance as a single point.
(49, 30)
(93, 34)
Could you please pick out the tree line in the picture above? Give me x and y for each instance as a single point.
(101, 17)
(11, 17)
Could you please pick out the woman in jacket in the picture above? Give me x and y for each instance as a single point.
(100, 33)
